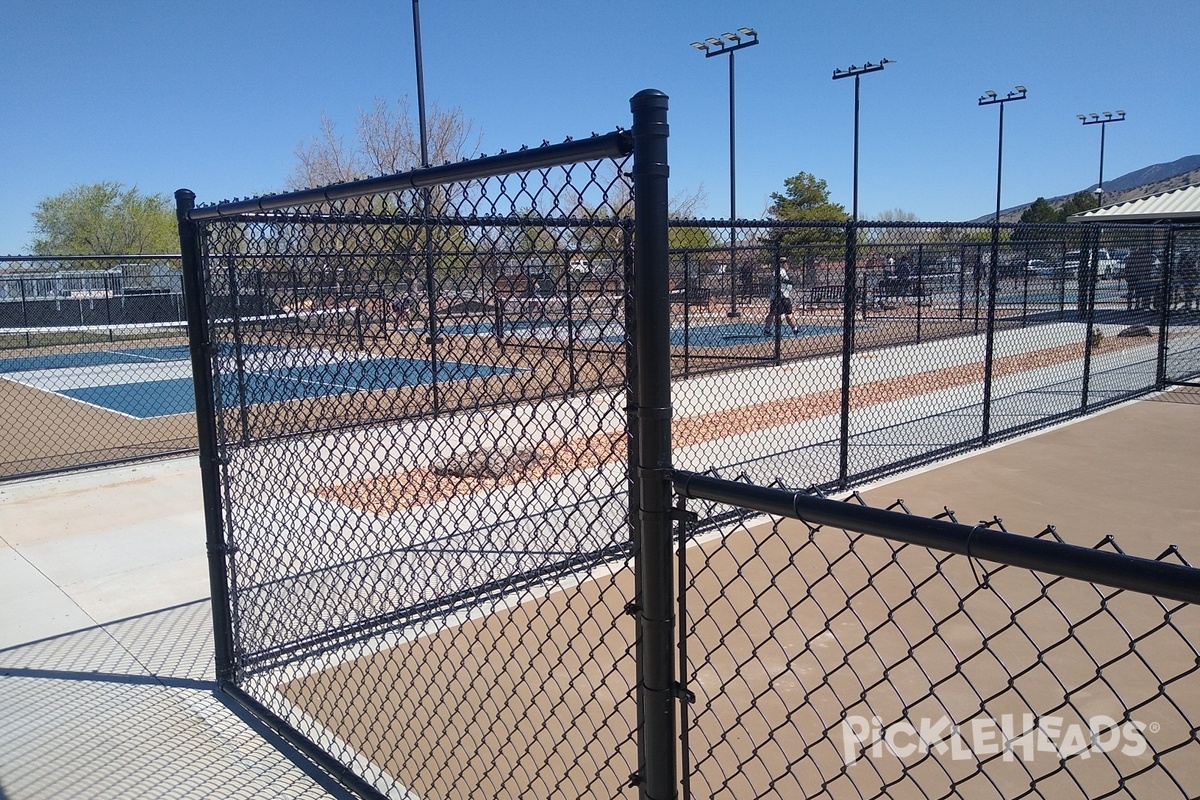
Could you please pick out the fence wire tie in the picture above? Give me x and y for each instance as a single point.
(983, 584)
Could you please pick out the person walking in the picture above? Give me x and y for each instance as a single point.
(781, 301)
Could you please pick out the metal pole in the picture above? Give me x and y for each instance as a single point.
(420, 82)
(991, 98)
(206, 423)
(849, 281)
(733, 309)
(990, 332)
(726, 45)
(857, 78)
(1086, 283)
(1103, 123)
(657, 693)
(431, 290)
(858, 72)
(1164, 331)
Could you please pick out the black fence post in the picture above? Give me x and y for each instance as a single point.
(25, 314)
(632, 382)
(849, 283)
(1164, 322)
(206, 424)
(775, 311)
(990, 337)
(239, 349)
(108, 294)
(687, 314)
(1085, 283)
(651, 297)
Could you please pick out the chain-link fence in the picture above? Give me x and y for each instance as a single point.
(837, 650)
(921, 348)
(94, 370)
(417, 469)
(440, 412)
(93, 362)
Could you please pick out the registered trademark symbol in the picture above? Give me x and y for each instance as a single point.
(1155, 727)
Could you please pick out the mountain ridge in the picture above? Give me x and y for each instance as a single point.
(1149, 180)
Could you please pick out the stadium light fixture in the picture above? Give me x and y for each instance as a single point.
(1096, 119)
(727, 44)
(857, 72)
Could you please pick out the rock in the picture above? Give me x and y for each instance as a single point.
(1135, 330)
(487, 463)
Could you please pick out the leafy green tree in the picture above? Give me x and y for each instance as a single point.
(104, 219)
(805, 198)
(1041, 211)
(1077, 203)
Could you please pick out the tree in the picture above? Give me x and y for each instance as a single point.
(1040, 211)
(896, 215)
(805, 198)
(387, 141)
(1077, 203)
(104, 219)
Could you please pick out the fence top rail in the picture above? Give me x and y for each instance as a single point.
(617, 144)
(1117, 570)
(710, 222)
(96, 257)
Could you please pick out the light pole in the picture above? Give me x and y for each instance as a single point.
(420, 83)
(850, 275)
(991, 98)
(857, 73)
(1102, 121)
(728, 44)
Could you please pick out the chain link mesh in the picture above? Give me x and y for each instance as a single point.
(422, 408)
(425, 476)
(93, 362)
(94, 370)
(927, 352)
(824, 662)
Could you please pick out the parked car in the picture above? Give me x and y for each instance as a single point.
(1107, 266)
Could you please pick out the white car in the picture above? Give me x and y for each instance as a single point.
(1106, 265)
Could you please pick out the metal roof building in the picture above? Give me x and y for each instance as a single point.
(1177, 205)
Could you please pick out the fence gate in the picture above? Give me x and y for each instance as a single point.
(417, 465)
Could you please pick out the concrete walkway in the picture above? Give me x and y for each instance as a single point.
(106, 666)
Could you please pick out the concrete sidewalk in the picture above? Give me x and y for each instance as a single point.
(106, 666)
(106, 684)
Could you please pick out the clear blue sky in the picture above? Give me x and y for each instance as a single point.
(216, 96)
